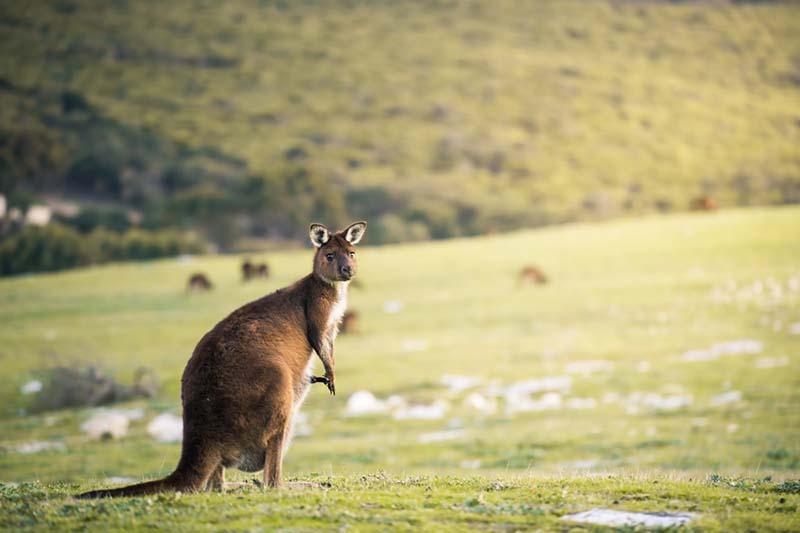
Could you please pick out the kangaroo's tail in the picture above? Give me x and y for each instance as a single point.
(193, 472)
(168, 484)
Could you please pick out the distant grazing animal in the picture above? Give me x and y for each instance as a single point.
(252, 270)
(247, 270)
(249, 375)
(199, 282)
(703, 203)
(349, 322)
(532, 274)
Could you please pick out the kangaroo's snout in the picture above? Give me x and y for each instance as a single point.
(346, 271)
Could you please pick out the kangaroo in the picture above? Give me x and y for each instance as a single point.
(531, 274)
(703, 203)
(349, 322)
(249, 375)
(199, 282)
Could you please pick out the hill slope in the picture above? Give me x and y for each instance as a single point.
(429, 118)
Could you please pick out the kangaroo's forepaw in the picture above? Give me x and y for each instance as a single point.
(318, 379)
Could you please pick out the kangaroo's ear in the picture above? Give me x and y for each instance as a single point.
(319, 234)
(355, 232)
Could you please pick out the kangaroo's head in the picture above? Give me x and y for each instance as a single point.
(335, 259)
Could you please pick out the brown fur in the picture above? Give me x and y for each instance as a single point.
(199, 282)
(248, 376)
(349, 322)
(532, 274)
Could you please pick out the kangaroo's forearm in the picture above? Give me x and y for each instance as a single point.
(323, 349)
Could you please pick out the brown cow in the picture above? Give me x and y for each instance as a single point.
(249, 375)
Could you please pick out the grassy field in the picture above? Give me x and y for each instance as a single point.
(669, 345)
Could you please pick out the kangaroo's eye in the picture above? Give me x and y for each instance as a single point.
(329, 257)
(352, 254)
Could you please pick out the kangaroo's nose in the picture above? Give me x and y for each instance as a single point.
(346, 270)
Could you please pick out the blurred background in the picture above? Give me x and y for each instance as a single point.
(652, 322)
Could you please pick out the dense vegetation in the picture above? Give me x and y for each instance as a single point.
(55, 247)
(430, 119)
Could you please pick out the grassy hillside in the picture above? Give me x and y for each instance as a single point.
(457, 117)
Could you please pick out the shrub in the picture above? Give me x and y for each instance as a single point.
(56, 247)
(41, 249)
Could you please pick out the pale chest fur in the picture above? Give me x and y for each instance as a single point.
(337, 311)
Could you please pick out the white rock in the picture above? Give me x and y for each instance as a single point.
(589, 366)
(395, 401)
(726, 398)
(738, 347)
(699, 355)
(524, 403)
(612, 397)
(433, 411)
(480, 403)
(651, 401)
(457, 383)
(106, 424)
(581, 403)
(37, 446)
(794, 329)
(414, 345)
(743, 346)
(364, 403)
(455, 423)
(392, 306)
(31, 387)
(439, 436)
(613, 518)
(38, 215)
(166, 427)
(530, 386)
(772, 362)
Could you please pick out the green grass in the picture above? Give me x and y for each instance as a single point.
(377, 502)
(636, 293)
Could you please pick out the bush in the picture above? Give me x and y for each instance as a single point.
(56, 247)
(41, 249)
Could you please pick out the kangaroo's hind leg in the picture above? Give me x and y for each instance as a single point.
(217, 479)
(275, 436)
